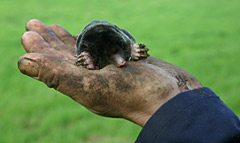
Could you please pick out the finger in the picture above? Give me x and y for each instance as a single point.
(42, 67)
(44, 31)
(60, 75)
(63, 35)
(50, 37)
(34, 43)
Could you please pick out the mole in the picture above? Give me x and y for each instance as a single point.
(102, 43)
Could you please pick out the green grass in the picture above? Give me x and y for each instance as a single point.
(202, 37)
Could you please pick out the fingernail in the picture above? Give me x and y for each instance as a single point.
(28, 67)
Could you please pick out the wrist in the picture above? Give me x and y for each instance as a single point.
(147, 110)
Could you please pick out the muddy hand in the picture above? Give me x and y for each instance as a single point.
(111, 91)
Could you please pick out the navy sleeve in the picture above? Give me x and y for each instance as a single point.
(196, 116)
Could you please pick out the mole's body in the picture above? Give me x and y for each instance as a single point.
(101, 43)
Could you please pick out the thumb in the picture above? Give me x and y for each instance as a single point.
(41, 67)
(53, 71)
(78, 83)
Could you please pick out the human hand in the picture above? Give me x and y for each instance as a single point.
(133, 92)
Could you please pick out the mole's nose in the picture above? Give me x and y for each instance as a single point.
(118, 60)
(122, 64)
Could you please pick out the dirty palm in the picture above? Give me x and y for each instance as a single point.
(101, 43)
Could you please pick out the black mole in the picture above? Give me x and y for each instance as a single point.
(101, 43)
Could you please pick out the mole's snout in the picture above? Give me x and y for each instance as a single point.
(118, 60)
(123, 63)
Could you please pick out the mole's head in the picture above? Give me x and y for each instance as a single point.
(107, 43)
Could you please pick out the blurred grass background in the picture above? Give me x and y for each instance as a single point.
(202, 37)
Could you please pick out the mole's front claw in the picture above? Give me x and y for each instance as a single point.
(85, 60)
(139, 51)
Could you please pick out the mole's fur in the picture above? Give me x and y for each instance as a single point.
(106, 43)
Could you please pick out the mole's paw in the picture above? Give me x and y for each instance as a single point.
(139, 51)
(85, 60)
